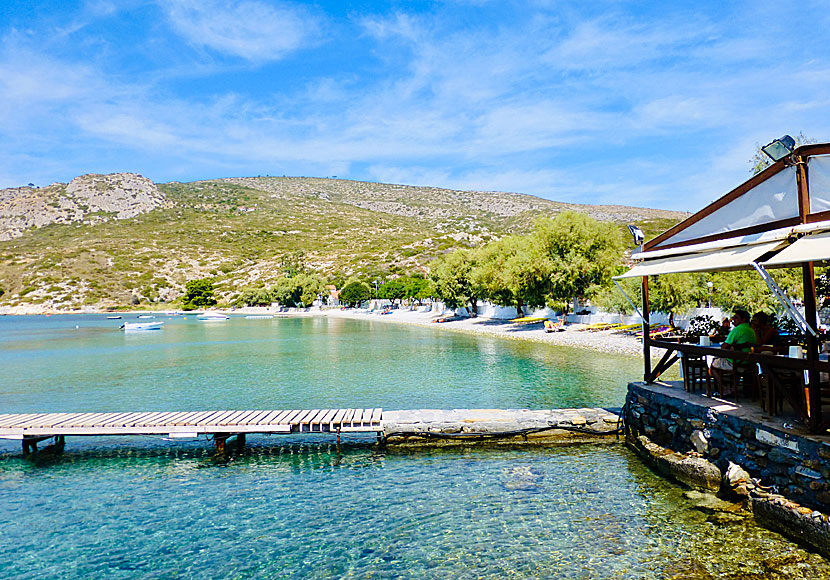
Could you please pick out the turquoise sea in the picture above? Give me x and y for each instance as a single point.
(300, 507)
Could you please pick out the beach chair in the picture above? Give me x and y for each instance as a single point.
(555, 326)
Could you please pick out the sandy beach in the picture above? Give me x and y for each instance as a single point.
(574, 335)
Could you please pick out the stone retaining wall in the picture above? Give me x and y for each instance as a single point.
(796, 466)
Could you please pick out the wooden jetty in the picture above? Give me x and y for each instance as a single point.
(36, 427)
(455, 424)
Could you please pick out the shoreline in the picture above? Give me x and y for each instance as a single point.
(573, 335)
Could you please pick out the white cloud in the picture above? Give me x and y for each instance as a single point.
(252, 30)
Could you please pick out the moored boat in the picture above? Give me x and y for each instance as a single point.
(212, 316)
(142, 326)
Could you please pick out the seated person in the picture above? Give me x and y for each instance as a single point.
(741, 337)
(765, 333)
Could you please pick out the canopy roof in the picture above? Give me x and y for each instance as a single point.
(736, 258)
(793, 191)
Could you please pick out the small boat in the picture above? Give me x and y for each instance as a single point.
(212, 316)
(142, 326)
(145, 316)
(113, 318)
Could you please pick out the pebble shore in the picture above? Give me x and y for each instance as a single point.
(574, 335)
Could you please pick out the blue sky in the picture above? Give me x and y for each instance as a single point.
(655, 104)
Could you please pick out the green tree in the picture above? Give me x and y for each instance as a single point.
(612, 300)
(254, 297)
(513, 271)
(394, 289)
(418, 288)
(674, 293)
(198, 294)
(451, 276)
(353, 293)
(582, 255)
(299, 290)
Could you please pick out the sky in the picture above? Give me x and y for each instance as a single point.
(651, 104)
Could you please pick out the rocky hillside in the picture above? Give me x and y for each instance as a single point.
(89, 199)
(121, 239)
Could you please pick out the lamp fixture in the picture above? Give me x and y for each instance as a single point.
(779, 148)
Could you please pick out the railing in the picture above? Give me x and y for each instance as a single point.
(807, 402)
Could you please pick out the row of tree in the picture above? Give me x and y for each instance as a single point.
(569, 256)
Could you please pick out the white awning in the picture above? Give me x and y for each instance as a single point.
(715, 261)
(814, 248)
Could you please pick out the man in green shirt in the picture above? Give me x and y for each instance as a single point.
(741, 337)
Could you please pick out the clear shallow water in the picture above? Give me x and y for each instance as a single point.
(298, 507)
(50, 365)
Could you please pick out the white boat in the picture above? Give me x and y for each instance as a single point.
(113, 318)
(142, 326)
(212, 316)
(145, 316)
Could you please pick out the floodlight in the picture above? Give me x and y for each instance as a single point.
(779, 148)
(638, 234)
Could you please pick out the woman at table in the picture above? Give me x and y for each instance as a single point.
(742, 337)
(765, 333)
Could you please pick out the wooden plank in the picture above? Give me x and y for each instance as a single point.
(231, 419)
(70, 417)
(184, 420)
(348, 418)
(175, 418)
(92, 420)
(108, 418)
(120, 420)
(301, 417)
(18, 419)
(46, 419)
(282, 418)
(289, 418)
(199, 417)
(243, 420)
(377, 416)
(269, 418)
(79, 420)
(327, 417)
(133, 421)
(256, 416)
(313, 419)
(338, 417)
(214, 416)
(156, 419)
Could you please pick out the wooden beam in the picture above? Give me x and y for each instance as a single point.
(646, 333)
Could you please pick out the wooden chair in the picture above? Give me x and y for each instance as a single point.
(696, 373)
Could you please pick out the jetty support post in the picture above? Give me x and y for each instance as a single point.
(240, 442)
(219, 440)
(30, 443)
(646, 334)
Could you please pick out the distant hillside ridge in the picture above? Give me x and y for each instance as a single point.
(437, 203)
(121, 240)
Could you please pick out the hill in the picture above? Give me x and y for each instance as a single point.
(120, 239)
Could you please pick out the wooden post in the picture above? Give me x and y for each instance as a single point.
(812, 391)
(219, 440)
(240, 442)
(646, 333)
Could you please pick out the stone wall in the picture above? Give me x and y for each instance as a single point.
(793, 465)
